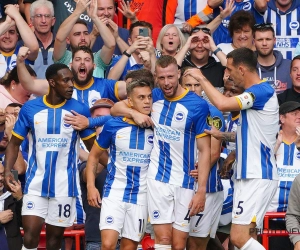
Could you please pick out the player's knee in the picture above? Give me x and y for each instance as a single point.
(30, 241)
(107, 244)
(164, 240)
(53, 244)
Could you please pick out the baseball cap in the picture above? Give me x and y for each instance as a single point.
(102, 103)
(288, 107)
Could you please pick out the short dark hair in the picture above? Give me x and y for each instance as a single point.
(85, 49)
(243, 56)
(80, 21)
(14, 105)
(13, 76)
(165, 61)
(138, 83)
(140, 74)
(140, 23)
(294, 59)
(239, 20)
(263, 27)
(52, 70)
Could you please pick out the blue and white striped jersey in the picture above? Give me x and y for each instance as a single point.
(286, 27)
(53, 147)
(214, 183)
(177, 124)
(130, 147)
(187, 8)
(97, 88)
(288, 167)
(256, 133)
(221, 34)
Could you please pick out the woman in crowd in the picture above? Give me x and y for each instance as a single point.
(11, 90)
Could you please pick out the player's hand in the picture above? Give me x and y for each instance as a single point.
(82, 5)
(195, 73)
(22, 54)
(297, 246)
(78, 121)
(214, 132)
(227, 165)
(142, 120)
(197, 203)
(93, 197)
(6, 216)
(16, 189)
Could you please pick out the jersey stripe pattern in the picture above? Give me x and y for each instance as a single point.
(257, 127)
(177, 123)
(288, 167)
(53, 144)
(214, 183)
(187, 8)
(96, 89)
(287, 30)
(129, 158)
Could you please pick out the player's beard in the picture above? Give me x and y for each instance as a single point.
(89, 76)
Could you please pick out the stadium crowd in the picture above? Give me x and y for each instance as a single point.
(177, 131)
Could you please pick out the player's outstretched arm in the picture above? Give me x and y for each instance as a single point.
(11, 155)
(93, 195)
(197, 203)
(37, 87)
(220, 101)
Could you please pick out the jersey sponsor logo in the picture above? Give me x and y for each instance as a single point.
(179, 116)
(156, 214)
(215, 121)
(285, 43)
(294, 25)
(150, 139)
(53, 142)
(135, 157)
(247, 6)
(167, 133)
(30, 205)
(109, 220)
(66, 125)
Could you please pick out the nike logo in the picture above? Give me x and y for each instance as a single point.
(61, 220)
(119, 136)
(38, 122)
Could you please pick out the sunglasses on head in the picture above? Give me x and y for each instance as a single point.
(263, 25)
(205, 30)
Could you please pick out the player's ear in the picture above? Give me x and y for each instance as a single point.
(51, 83)
(130, 101)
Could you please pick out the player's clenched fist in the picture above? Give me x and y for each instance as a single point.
(23, 54)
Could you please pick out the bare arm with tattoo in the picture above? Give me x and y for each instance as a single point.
(224, 136)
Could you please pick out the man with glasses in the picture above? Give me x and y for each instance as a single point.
(271, 66)
(42, 19)
(8, 40)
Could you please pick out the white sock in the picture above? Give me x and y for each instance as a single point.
(24, 248)
(252, 244)
(162, 247)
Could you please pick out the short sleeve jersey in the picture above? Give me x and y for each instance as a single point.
(129, 157)
(53, 147)
(256, 133)
(177, 124)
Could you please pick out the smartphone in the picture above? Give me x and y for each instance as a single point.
(144, 32)
(15, 174)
